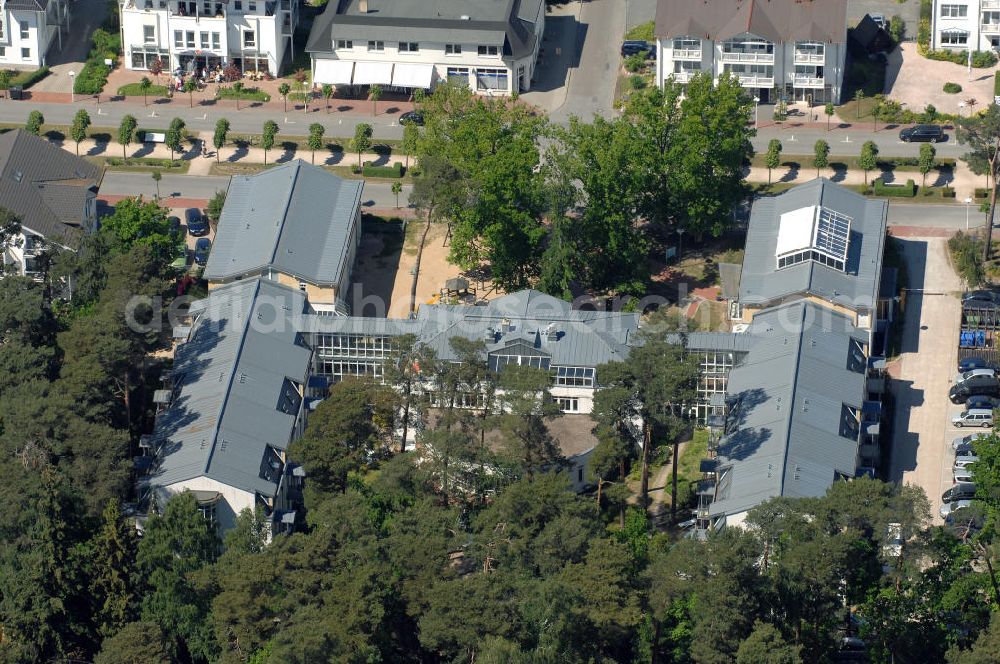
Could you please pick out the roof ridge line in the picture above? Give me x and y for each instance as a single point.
(284, 213)
(791, 399)
(232, 376)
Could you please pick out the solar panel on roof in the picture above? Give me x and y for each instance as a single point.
(832, 232)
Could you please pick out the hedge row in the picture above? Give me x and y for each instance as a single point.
(908, 190)
(94, 75)
(144, 161)
(896, 162)
(980, 59)
(981, 193)
(28, 78)
(246, 94)
(996, 84)
(394, 171)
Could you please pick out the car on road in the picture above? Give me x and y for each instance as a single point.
(974, 417)
(197, 223)
(924, 133)
(980, 401)
(974, 362)
(416, 117)
(954, 506)
(633, 46)
(981, 385)
(960, 491)
(202, 248)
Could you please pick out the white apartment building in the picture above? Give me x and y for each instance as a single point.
(29, 28)
(963, 24)
(192, 34)
(490, 45)
(779, 49)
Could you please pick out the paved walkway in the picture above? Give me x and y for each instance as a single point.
(920, 81)
(962, 179)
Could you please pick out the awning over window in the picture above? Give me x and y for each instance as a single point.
(334, 72)
(373, 73)
(411, 75)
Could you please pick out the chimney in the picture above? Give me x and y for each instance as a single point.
(363, 6)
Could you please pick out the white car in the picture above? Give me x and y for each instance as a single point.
(962, 474)
(965, 460)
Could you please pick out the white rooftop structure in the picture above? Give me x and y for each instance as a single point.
(813, 233)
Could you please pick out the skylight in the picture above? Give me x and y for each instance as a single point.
(813, 233)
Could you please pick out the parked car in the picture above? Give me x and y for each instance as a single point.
(974, 373)
(974, 362)
(954, 506)
(982, 401)
(633, 46)
(963, 460)
(924, 133)
(983, 385)
(416, 117)
(197, 223)
(978, 296)
(961, 474)
(201, 250)
(960, 491)
(180, 256)
(966, 440)
(974, 417)
(175, 223)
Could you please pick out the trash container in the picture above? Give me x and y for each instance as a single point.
(16, 92)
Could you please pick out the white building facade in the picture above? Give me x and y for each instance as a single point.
(490, 46)
(253, 35)
(798, 54)
(966, 24)
(29, 29)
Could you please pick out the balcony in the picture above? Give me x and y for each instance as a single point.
(803, 81)
(751, 81)
(809, 58)
(683, 76)
(686, 54)
(989, 4)
(747, 56)
(990, 28)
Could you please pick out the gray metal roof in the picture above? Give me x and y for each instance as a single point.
(295, 218)
(785, 403)
(45, 185)
(776, 20)
(490, 22)
(583, 338)
(762, 283)
(27, 5)
(229, 378)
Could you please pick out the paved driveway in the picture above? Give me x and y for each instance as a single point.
(908, 10)
(84, 17)
(926, 367)
(917, 81)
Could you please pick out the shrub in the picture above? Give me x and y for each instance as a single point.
(92, 78)
(981, 193)
(966, 252)
(908, 190)
(897, 28)
(144, 161)
(634, 63)
(980, 59)
(952, 88)
(394, 171)
(28, 78)
(637, 82)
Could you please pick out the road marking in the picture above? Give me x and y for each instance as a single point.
(100, 111)
(791, 138)
(287, 121)
(152, 114)
(204, 116)
(847, 139)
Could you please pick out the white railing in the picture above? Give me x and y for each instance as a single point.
(682, 76)
(989, 4)
(809, 57)
(738, 56)
(990, 27)
(756, 81)
(807, 81)
(687, 54)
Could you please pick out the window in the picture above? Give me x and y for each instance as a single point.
(489, 50)
(376, 46)
(452, 49)
(205, 44)
(954, 37)
(1, 30)
(25, 53)
(459, 74)
(568, 404)
(252, 6)
(352, 345)
(24, 29)
(579, 474)
(163, 4)
(575, 376)
(189, 37)
(498, 362)
(492, 79)
(289, 399)
(686, 66)
(249, 39)
(850, 422)
(344, 44)
(178, 39)
(148, 34)
(206, 8)
(954, 11)
(3, 51)
(238, 5)
(216, 42)
(409, 47)
(686, 44)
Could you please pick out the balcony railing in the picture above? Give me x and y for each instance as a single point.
(809, 57)
(751, 81)
(990, 27)
(989, 4)
(687, 54)
(748, 56)
(683, 76)
(801, 81)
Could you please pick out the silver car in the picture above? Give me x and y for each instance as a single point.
(953, 506)
(966, 441)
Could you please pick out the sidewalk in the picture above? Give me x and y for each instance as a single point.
(962, 179)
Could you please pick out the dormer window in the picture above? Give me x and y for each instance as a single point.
(409, 47)
(813, 233)
(289, 400)
(344, 44)
(452, 49)
(489, 50)
(376, 46)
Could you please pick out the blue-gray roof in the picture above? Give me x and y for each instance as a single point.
(295, 218)
(762, 283)
(579, 337)
(783, 435)
(231, 381)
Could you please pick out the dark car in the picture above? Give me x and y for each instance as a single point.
(416, 117)
(960, 491)
(925, 133)
(201, 250)
(985, 385)
(977, 296)
(196, 222)
(974, 362)
(633, 46)
(981, 401)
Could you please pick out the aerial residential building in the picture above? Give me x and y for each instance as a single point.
(232, 404)
(29, 28)
(779, 49)
(966, 24)
(52, 191)
(253, 35)
(490, 45)
(296, 224)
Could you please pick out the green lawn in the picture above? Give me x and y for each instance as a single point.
(134, 90)
(688, 466)
(642, 32)
(246, 94)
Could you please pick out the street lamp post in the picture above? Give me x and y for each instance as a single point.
(72, 88)
(756, 101)
(968, 202)
(961, 105)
